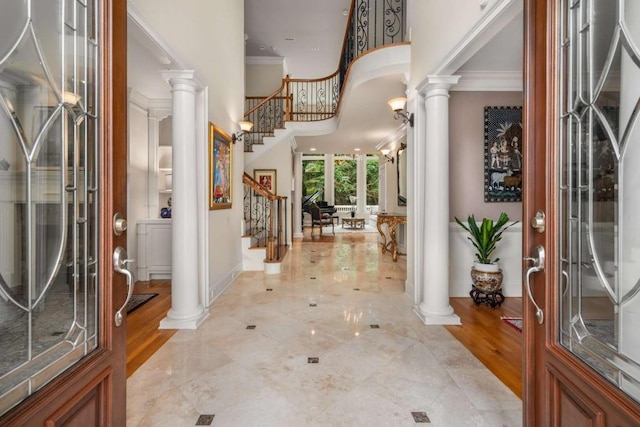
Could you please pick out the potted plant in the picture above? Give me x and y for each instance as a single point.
(486, 273)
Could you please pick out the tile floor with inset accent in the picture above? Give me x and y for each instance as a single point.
(368, 376)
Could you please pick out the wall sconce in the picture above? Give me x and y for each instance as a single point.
(397, 105)
(385, 153)
(244, 128)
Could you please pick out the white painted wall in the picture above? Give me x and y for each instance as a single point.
(207, 36)
(262, 77)
(435, 28)
(137, 173)
(438, 29)
(143, 72)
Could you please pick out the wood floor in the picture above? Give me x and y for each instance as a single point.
(143, 336)
(496, 344)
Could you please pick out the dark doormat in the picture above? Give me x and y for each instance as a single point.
(137, 300)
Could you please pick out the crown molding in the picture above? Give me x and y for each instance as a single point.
(139, 99)
(489, 81)
(156, 108)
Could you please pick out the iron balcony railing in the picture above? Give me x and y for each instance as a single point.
(265, 216)
(371, 24)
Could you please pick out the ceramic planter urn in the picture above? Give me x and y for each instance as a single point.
(486, 277)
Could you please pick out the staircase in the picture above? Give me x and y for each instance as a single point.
(264, 239)
(371, 24)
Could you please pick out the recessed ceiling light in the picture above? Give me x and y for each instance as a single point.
(356, 149)
(345, 12)
(312, 149)
(315, 49)
(274, 48)
(262, 47)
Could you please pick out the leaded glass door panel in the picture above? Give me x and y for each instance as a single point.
(61, 358)
(583, 107)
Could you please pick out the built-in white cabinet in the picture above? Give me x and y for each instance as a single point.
(154, 249)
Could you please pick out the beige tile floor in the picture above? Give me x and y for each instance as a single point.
(364, 376)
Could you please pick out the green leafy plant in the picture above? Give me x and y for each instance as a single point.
(485, 237)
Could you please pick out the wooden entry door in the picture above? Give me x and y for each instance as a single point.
(582, 184)
(62, 179)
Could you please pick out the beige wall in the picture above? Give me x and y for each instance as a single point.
(466, 161)
(262, 79)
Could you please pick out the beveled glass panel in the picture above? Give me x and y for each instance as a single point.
(572, 66)
(583, 50)
(48, 24)
(603, 26)
(48, 198)
(630, 19)
(599, 199)
(12, 22)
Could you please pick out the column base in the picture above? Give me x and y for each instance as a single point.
(272, 267)
(190, 323)
(298, 235)
(430, 319)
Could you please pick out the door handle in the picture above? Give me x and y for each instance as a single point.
(120, 262)
(538, 261)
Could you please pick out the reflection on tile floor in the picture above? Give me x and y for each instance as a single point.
(368, 376)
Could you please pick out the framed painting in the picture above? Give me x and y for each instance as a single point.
(503, 148)
(268, 178)
(220, 168)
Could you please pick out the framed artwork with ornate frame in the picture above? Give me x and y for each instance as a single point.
(268, 178)
(503, 148)
(220, 168)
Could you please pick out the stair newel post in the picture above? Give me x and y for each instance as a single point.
(271, 246)
(288, 99)
(280, 224)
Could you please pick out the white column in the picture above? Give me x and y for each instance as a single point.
(186, 311)
(329, 185)
(361, 185)
(297, 198)
(434, 309)
(415, 171)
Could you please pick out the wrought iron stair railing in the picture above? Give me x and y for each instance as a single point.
(265, 215)
(371, 24)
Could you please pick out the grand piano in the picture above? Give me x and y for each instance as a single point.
(325, 208)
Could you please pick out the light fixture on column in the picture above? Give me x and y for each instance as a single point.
(245, 127)
(385, 152)
(397, 105)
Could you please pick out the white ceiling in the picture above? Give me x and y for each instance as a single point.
(307, 33)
